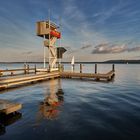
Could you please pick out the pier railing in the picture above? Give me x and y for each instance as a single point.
(25, 70)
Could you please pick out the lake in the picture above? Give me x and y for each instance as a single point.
(87, 109)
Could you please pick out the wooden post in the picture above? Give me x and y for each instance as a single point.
(12, 73)
(24, 68)
(80, 68)
(73, 68)
(59, 67)
(1, 73)
(28, 68)
(95, 68)
(113, 67)
(35, 68)
(62, 68)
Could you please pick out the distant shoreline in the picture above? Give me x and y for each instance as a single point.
(104, 62)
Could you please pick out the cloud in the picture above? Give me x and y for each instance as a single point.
(29, 52)
(86, 46)
(106, 48)
(109, 48)
(134, 49)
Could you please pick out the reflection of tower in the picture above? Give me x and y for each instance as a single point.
(49, 31)
(49, 108)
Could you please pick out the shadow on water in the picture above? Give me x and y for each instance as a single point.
(6, 120)
(49, 107)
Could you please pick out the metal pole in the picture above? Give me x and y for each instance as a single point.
(44, 55)
(49, 45)
(60, 40)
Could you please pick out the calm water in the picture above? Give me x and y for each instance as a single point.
(87, 110)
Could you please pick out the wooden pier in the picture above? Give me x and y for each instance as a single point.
(97, 76)
(10, 82)
(7, 107)
(14, 81)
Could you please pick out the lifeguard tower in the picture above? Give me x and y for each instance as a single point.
(49, 31)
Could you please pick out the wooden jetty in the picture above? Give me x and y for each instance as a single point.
(8, 107)
(14, 81)
(24, 79)
(97, 76)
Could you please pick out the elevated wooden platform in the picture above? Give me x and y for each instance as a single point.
(8, 107)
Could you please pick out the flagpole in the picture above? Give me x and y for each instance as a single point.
(44, 54)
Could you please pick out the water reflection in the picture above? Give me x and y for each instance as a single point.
(49, 108)
(6, 120)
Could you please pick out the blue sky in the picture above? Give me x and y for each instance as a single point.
(92, 30)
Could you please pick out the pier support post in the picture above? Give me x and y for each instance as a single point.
(95, 68)
(113, 67)
(80, 68)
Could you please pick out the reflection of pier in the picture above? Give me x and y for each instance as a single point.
(6, 120)
(49, 108)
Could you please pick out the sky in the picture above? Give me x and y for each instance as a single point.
(92, 30)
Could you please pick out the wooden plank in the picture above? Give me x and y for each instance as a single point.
(9, 70)
(8, 107)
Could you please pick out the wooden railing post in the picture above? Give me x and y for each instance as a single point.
(80, 68)
(95, 68)
(35, 68)
(28, 68)
(24, 68)
(113, 67)
(73, 67)
(62, 67)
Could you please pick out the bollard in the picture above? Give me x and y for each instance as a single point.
(95, 68)
(80, 68)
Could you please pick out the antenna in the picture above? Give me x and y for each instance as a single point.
(49, 36)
